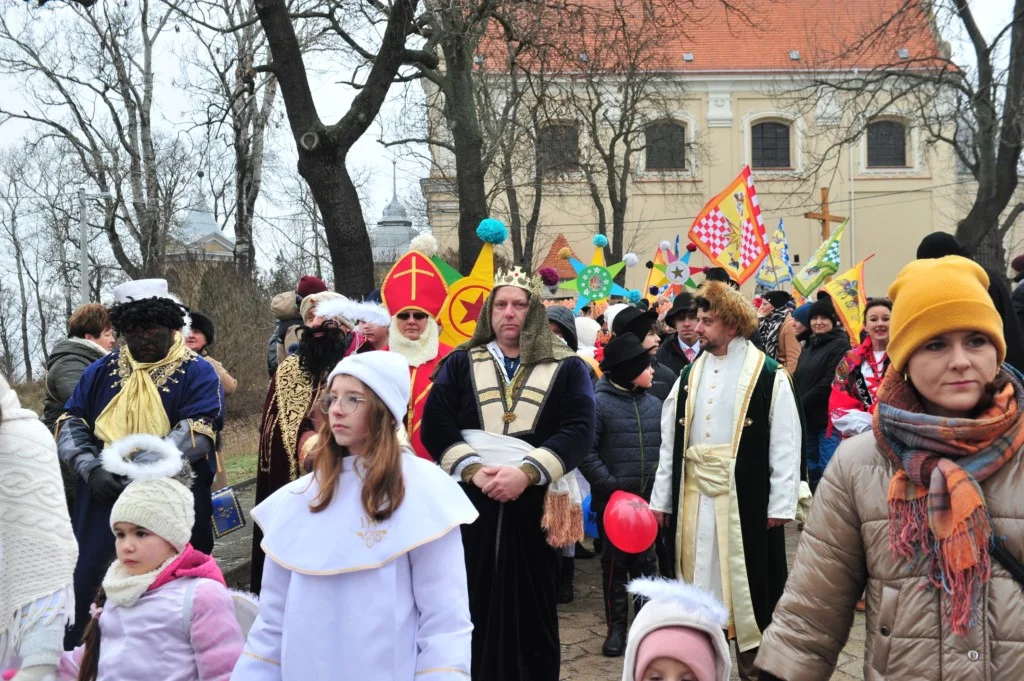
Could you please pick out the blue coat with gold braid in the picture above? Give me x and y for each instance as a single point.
(189, 414)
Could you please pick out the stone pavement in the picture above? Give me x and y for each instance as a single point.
(581, 623)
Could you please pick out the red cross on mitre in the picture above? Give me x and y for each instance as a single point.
(414, 283)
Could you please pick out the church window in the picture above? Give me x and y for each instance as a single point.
(558, 148)
(887, 144)
(666, 146)
(770, 146)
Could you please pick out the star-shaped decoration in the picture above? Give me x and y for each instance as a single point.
(678, 273)
(472, 309)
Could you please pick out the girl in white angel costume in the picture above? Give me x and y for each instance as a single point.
(364, 576)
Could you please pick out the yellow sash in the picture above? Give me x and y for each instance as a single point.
(709, 470)
(137, 408)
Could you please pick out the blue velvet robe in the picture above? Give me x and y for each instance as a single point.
(190, 392)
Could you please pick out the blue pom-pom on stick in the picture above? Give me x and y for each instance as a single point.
(633, 296)
(600, 240)
(492, 231)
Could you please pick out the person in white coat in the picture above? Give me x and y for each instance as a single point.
(365, 574)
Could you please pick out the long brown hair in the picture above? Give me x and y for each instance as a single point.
(89, 667)
(383, 485)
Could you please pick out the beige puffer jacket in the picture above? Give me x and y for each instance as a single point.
(845, 547)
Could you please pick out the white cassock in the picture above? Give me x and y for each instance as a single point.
(713, 423)
(345, 597)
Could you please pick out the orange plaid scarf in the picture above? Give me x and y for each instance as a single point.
(936, 506)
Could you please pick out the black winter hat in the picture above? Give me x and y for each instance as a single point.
(625, 358)
(823, 308)
(683, 303)
(567, 323)
(778, 298)
(939, 245)
(720, 274)
(634, 320)
(201, 322)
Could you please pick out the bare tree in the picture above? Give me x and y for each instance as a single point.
(323, 148)
(897, 66)
(12, 180)
(233, 104)
(100, 103)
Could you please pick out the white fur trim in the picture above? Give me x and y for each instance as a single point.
(702, 603)
(167, 465)
(336, 308)
(372, 314)
(425, 244)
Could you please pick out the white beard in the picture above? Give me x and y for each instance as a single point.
(416, 352)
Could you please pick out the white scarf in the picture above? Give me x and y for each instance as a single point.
(123, 588)
(38, 550)
(416, 352)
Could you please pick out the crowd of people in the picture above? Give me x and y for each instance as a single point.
(420, 507)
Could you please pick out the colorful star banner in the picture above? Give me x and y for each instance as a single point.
(730, 230)
(596, 281)
(822, 265)
(776, 269)
(466, 296)
(849, 299)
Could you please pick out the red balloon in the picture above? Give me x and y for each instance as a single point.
(629, 523)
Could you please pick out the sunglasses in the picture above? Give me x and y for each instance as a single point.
(418, 316)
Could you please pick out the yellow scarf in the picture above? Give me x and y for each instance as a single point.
(138, 407)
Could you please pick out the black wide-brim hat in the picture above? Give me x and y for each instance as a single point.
(683, 303)
(634, 320)
(625, 355)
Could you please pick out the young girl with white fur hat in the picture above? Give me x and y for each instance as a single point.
(163, 611)
(365, 575)
(678, 635)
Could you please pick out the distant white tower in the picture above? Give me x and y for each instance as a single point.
(391, 237)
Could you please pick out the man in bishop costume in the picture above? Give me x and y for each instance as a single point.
(511, 413)
(414, 293)
(291, 414)
(729, 470)
(152, 385)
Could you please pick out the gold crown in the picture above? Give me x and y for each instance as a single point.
(519, 278)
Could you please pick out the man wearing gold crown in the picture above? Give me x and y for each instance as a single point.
(510, 414)
(154, 385)
(414, 292)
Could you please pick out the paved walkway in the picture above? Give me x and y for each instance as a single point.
(581, 623)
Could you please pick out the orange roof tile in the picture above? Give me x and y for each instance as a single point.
(827, 34)
(561, 265)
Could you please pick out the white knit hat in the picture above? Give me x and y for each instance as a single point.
(162, 506)
(155, 501)
(385, 373)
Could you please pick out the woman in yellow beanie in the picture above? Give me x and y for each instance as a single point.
(925, 511)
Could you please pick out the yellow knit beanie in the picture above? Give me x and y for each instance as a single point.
(933, 297)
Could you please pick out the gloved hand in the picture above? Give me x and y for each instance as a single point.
(38, 672)
(105, 486)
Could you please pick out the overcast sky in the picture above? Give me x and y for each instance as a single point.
(332, 100)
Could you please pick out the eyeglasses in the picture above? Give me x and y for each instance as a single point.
(418, 316)
(349, 403)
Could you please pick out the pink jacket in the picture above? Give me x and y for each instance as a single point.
(150, 641)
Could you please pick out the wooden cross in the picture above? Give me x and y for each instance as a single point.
(412, 272)
(824, 216)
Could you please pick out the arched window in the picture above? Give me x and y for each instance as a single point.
(558, 148)
(887, 144)
(666, 145)
(770, 146)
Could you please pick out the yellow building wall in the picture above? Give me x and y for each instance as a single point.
(890, 211)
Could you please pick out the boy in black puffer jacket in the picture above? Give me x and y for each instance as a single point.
(624, 456)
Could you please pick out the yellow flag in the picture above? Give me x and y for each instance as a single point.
(848, 298)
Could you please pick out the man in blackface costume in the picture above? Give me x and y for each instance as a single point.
(729, 470)
(510, 414)
(291, 414)
(414, 292)
(153, 385)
